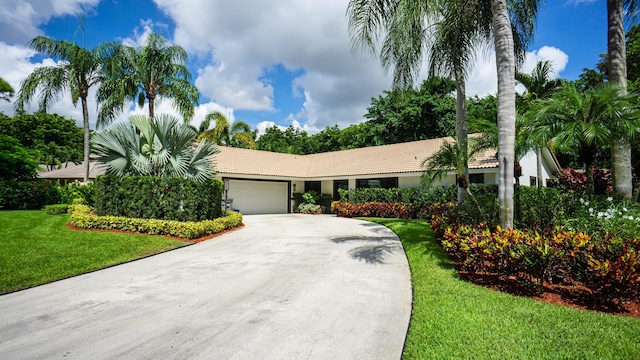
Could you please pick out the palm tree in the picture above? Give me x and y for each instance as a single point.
(6, 91)
(78, 69)
(584, 122)
(451, 157)
(144, 74)
(237, 135)
(616, 55)
(538, 86)
(155, 147)
(403, 23)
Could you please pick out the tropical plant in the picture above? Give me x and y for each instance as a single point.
(584, 122)
(403, 24)
(239, 134)
(77, 70)
(538, 85)
(6, 91)
(155, 147)
(451, 157)
(144, 74)
(617, 74)
(16, 162)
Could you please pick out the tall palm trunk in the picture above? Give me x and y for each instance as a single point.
(539, 166)
(505, 62)
(462, 133)
(87, 144)
(620, 150)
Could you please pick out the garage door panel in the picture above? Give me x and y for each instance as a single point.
(259, 197)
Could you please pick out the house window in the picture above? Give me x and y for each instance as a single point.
(313, 186)
(339, 184)
(533, 181)
(476, 179)
(384, 183)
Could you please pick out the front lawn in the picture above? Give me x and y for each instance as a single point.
(454, 319)
(36, 249)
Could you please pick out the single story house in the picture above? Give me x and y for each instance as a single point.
(261, 182)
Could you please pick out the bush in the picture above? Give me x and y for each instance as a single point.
(570, 179)
(413, 195)
(309, 209)
(56, 209)
(86, 192)
(158, 198)
(383, 210)
(81, 217)
(28, 195)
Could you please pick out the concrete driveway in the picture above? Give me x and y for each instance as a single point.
(283, 287)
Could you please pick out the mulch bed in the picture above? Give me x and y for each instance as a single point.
(188, 241)
(566, 295)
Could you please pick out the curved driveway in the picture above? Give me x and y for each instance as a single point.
(283, 287)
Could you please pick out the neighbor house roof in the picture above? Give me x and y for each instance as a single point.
(375, 160)
(73, 172)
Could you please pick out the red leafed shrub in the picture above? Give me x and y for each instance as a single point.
(572, 179)
(383, 210)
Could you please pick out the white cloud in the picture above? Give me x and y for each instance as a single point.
(19, 19)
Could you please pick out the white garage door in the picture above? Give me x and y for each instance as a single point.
(259, 197)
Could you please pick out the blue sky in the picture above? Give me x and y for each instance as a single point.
(285, 62)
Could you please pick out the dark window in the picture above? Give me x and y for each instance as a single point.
(339, 184)
(532, 181)
(385, 183)
(313, 186)
(475, 179)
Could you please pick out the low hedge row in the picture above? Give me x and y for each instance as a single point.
(56, 209)
(82, 217)
(388, 210)
(28, 194)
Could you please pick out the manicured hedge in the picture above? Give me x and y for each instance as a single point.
(81, 217)
(147, 197)
(28, 195)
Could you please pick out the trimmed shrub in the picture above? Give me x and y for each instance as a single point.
(412, 195)
(56, 209)
(81, 217)
(147, 197)
(383, 210)
(28, 195)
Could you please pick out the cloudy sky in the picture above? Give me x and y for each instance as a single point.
(284, 62)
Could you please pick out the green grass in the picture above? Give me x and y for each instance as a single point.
(454, 319)
(36, 249)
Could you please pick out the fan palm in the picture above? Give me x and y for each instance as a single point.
(616, 54)
(78, 69)
(155, 147)
(157, 69)
(538, 86)
(237, 135)
(584, 122)
(406, 36)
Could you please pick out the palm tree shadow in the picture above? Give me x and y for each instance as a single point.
(374, 254)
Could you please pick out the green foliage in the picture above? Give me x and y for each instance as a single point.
(413, 114)
(16, 162)
(6, 91)
(605, 216)
(158, 198)
(237, 135)
(412, 195)
(83, 192)
(155, 146)
(81, 217)
(56, 209)
(374, 209)
(27, 195)
(310, 197)
(144, 74)
(289, 141)
(309, 209)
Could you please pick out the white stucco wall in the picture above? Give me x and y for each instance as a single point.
(529, 168)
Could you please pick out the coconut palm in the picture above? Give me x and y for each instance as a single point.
(6, 91)
(584, 122)
(403, 24)
(155, 147)
(538, 85)
(78, 69)
(142, 75)
(617, 59)
(239, 134)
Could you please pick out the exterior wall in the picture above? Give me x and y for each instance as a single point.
(327, 186)
(529, 168)
(408, 181)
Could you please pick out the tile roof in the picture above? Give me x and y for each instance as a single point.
(375, 160)
(385, 159)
